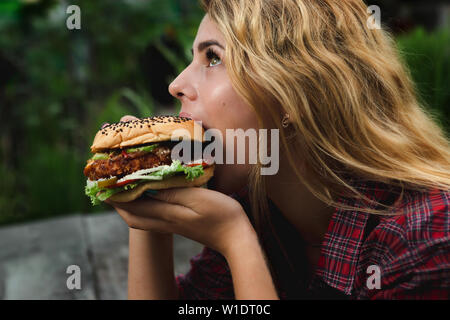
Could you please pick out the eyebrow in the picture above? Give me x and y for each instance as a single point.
(205, 44)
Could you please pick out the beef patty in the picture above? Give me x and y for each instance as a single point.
(119, 165)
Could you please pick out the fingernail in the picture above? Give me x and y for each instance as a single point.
(104, 125)
(150, 192)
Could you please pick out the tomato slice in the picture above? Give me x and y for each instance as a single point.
(204, 164)
(125, 154)
(120, 184)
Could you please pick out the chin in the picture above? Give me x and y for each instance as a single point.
(227, 179)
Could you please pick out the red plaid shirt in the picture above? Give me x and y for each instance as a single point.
(410, 252)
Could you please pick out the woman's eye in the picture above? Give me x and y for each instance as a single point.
(214, 62)
(213, 58)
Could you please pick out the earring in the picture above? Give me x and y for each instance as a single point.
(285, 124)
(285, 121)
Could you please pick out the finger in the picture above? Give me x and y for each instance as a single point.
(128, 118)
(179, 196)
(143, 223)
(156, 209)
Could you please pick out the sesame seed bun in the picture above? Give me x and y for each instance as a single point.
(146, 130)
(172, 182)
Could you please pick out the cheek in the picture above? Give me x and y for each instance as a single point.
(229, 111)
(225, 109)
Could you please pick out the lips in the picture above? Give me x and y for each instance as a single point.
(188, 115)
(185, 115)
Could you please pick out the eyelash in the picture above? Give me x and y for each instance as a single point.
(210, 54)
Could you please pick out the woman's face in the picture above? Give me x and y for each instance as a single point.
(206, 95)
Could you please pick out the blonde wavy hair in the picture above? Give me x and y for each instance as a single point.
(353, 106)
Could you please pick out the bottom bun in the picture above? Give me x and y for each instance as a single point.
(172, 182)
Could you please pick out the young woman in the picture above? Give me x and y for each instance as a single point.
(360, 205)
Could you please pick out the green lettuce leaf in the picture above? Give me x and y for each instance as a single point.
(106, 193)
(162, 172)
(92, 189)
(149, 148)
(193, 172)
(130, 186)
(176, 166)
(100, 156)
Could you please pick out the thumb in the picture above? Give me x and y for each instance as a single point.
(128, 118)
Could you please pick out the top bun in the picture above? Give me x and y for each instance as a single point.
(146, 130)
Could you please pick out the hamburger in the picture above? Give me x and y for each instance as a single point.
(131, 157)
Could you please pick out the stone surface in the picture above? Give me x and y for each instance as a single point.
(108, 238)
(34, 257)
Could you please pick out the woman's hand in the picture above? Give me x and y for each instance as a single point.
(206, 216)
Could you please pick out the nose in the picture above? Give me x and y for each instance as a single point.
(183, 86)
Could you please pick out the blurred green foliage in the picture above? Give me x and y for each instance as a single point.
(63, 84)
(428, 57)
